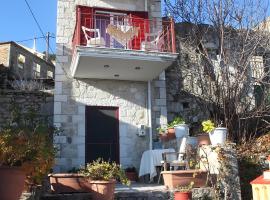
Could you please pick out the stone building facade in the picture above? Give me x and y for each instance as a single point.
(73, 95)
(24, 64)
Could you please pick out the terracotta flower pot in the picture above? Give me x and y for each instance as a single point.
(203, 139)
(102, 190)
(163, 137)
(12, 180)
(182, 195)
(132, 176)
(173, 179)
(171, 133)
(69, 183)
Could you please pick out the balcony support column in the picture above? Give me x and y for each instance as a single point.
(145, 5)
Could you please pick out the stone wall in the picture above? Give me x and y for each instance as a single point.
(222, 161)
(72, 95)
(180, 103)
(129, 97)
(41, 101)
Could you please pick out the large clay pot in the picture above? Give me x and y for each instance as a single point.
(218, 136)
(178, 178)
(12, 180)
(203, 139)
(69, 183)
(182, 195)
(102, 190)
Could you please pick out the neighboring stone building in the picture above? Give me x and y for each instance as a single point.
(23, 64)
(26, 79)
(110, 91)
(184, 82)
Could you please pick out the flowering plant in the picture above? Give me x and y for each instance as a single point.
(208, 126)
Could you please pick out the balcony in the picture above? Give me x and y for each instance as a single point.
(121, 46)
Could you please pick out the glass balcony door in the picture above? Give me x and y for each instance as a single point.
(103, 20)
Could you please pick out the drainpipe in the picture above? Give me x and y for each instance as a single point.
(149, 109)
(145, 5)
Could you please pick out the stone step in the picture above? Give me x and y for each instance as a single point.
(118, 196)
(74, 196)
(142, 196)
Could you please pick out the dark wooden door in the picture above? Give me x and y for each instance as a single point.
(102, 134)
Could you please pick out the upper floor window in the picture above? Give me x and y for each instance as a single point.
(49, 74)
(21, 61)
(257, 67)
(36, 70)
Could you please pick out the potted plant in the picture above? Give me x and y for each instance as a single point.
(181, 126)
(203, 138)
(176, 178)
(68, 183)
(183, 192)
(217, 135)
(162, 134)
(102, 177)
(131, 174)
(26, 154)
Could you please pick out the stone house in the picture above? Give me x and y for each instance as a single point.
(184, 83)
(23, 63)
(25, 79)
(110, 90)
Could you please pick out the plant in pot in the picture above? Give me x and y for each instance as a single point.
(102, 177)
(183, 192)
(71, 182)
(180, 124)
(131, 174)
(26, 153)
(163, 136)
(203, 138)
(217, 135)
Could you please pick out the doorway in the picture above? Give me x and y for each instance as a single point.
(102, 133)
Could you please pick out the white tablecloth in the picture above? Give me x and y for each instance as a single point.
(151, 159)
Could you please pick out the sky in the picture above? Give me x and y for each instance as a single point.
(17, 23)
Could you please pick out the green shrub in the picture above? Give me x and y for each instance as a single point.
(105, 171)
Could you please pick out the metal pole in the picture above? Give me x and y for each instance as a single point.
(35, 45)
(150, 116)
(47, 46)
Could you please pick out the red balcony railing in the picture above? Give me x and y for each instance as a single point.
(124, 32)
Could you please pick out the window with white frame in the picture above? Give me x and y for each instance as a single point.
(36, 70)
(257, 67)
(49, 74)
(21, 61)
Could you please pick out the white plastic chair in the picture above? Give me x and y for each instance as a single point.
(96, 41)
(153, 45)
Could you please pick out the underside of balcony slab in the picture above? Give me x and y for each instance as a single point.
(119, 64)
